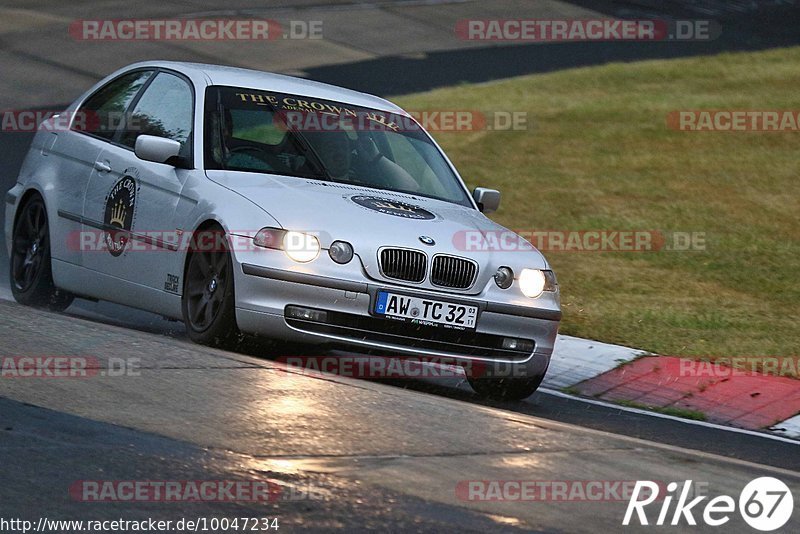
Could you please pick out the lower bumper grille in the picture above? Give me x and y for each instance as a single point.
(418, 337)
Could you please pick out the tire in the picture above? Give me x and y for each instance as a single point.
(30, 265)
(208, 300)
(506, 389)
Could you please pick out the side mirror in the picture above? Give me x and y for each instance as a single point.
(488, 200)
(157, 149)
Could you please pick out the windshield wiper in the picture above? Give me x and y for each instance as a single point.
(321, 172)
(308, 150)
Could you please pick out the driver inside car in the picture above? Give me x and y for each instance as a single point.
(237, 154)
(334, 152)
(364, 165)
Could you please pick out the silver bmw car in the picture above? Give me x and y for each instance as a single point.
(248, 203)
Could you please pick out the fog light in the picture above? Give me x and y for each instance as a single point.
(521, 345)
(306, 314)
(504, 277)
(341, 252)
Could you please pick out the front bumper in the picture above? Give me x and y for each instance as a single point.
(263, 294)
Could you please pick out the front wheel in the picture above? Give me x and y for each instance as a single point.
(508, 389)
(208, 294)
(30, 272)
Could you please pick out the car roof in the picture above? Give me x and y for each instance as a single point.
(268, 81)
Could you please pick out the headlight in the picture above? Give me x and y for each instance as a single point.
(504, 277)
(300, 247)
(533, 282)
(341, 252)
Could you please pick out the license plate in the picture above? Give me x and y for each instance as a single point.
(425, 311)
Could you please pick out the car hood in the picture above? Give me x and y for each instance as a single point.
(370, 219)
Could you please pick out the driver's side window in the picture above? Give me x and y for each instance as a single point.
(164, 110)
(103, 112)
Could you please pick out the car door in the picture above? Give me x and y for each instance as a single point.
(74, 153)
(135, 200)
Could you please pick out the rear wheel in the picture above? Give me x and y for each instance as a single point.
(208, 293)
(30, 269)
(506, 388)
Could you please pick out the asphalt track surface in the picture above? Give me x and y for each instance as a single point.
(388, 454)
(741, 31)
(378, 456)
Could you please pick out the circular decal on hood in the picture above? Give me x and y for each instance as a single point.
(393, 207)
(119, 212)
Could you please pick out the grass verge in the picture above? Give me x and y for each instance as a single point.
(684, 413)
(599, 156)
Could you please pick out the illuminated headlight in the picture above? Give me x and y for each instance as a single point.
(533, 282)
(341, 252)
(300, 247)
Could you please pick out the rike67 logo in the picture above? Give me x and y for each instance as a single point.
(766, 504)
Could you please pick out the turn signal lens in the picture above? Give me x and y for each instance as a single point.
(269, 238)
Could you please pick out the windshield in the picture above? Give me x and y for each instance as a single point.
(274, 133)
